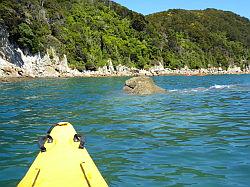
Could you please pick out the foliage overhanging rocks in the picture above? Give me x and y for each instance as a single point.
(90, 32)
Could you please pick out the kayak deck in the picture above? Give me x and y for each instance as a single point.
(63, 163)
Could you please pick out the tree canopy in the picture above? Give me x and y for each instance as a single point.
(90, 32)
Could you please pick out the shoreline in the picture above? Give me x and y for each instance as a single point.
(52, 66)
(97, 74)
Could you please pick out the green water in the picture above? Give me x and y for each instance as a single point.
(196, 135)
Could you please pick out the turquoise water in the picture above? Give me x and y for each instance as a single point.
(196, 135)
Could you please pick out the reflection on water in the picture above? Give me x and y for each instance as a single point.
(198, 134)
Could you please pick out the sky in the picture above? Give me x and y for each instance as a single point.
(241, 7)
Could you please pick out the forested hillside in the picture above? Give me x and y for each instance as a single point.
(202, 38)
(90, 32)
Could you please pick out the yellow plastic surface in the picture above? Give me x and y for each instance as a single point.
(63, 164)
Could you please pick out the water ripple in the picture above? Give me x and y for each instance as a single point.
(198, 134)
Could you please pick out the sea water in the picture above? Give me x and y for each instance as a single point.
(197, 134)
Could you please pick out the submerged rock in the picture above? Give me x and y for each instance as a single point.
(142, 86)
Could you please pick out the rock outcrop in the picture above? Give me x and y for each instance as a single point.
(142, 86)
(50, 65)
(14, 63)
(7, 50)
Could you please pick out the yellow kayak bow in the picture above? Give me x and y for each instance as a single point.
(63, 162)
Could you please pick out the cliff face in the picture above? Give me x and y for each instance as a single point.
(7, 50)
(14, 63)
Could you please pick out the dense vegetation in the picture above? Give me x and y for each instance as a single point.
(92, 31)
(202, 38)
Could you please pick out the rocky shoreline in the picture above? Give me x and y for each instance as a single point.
(50, 65)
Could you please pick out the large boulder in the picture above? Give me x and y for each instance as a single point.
(142, 86)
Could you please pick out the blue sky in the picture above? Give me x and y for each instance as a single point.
(241, 7)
